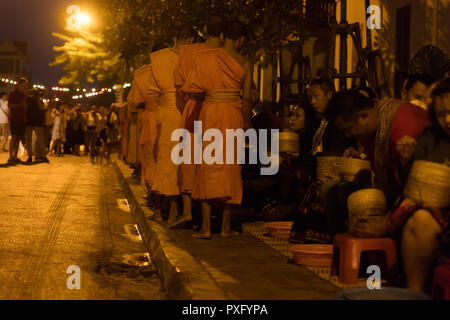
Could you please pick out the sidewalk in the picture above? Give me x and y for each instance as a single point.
(240, 268)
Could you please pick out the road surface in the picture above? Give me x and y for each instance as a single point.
(70, 216)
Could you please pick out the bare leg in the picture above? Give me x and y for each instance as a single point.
(11, 147)
(14, 147)
(419, 247)
(173, 211)
(205, 231)
(226, 231)
(187, 211)
(157, 211)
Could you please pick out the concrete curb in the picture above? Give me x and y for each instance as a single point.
(183, 276)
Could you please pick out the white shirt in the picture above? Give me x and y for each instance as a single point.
(3, 112)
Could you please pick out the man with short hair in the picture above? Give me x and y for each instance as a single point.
(415, 89)
(4, 120)
(327, 140)
(221, 73)
(17, 104)
(381, 128)
(190, 104)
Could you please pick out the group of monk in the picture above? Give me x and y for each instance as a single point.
(192, 81)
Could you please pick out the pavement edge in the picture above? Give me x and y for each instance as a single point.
(182, 276)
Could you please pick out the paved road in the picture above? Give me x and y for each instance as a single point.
(69, 213)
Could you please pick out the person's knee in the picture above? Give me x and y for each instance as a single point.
(422, 222)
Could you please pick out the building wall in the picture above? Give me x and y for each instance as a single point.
(429, 25)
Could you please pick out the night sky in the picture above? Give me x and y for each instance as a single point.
(34, 21)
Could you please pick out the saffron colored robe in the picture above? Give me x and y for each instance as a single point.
(147, 92)
(190, 109)
(132, 158)
(123, 130)
(215, 69)
(166, 176)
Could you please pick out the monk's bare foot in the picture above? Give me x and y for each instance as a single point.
(230, 234)
(180, 221)
(202, 235)
(157, 216)
(171, 220)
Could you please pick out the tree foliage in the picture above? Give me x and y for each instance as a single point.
(129, 28)
(85, 60)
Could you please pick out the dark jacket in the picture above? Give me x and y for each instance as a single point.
(35, 112)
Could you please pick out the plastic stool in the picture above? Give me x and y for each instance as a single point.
(441, 283)
(350, 254)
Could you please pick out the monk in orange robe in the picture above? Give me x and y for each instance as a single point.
(123, 130)
(146, 92)
(133, 135)
(190, 104)
(221, 73)
(162, 69)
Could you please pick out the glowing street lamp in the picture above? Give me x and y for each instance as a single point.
(77, 19)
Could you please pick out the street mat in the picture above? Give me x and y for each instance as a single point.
(258, 230)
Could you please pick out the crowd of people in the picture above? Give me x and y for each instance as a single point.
(211, 81)
(52, 128)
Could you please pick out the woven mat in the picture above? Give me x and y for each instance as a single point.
(258, 230)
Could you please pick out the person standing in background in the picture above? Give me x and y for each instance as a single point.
(4, 120)
(17, 104)
(48, 124)
(35, 123)
(59, 129)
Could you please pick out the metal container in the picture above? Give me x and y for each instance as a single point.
(313, 255)
(429, 184)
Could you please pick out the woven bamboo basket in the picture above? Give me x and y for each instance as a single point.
(366, 213)
(328, 168)
(351, 166)
(289, 142)
(429, 184)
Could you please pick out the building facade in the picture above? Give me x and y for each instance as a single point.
(13, 58)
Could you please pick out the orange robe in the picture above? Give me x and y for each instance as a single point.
(190, 109)
(214, 70)
(147, 92)
(166, 176)
(123, 129)
(133, 132)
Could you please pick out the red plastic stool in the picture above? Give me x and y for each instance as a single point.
(350, 254)
(441, 283)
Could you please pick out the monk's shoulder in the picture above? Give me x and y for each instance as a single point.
(204, 55)
(163, 53)
(141, 70)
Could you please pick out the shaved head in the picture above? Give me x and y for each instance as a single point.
(185, 33)
(235, 29)
(216, 25)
